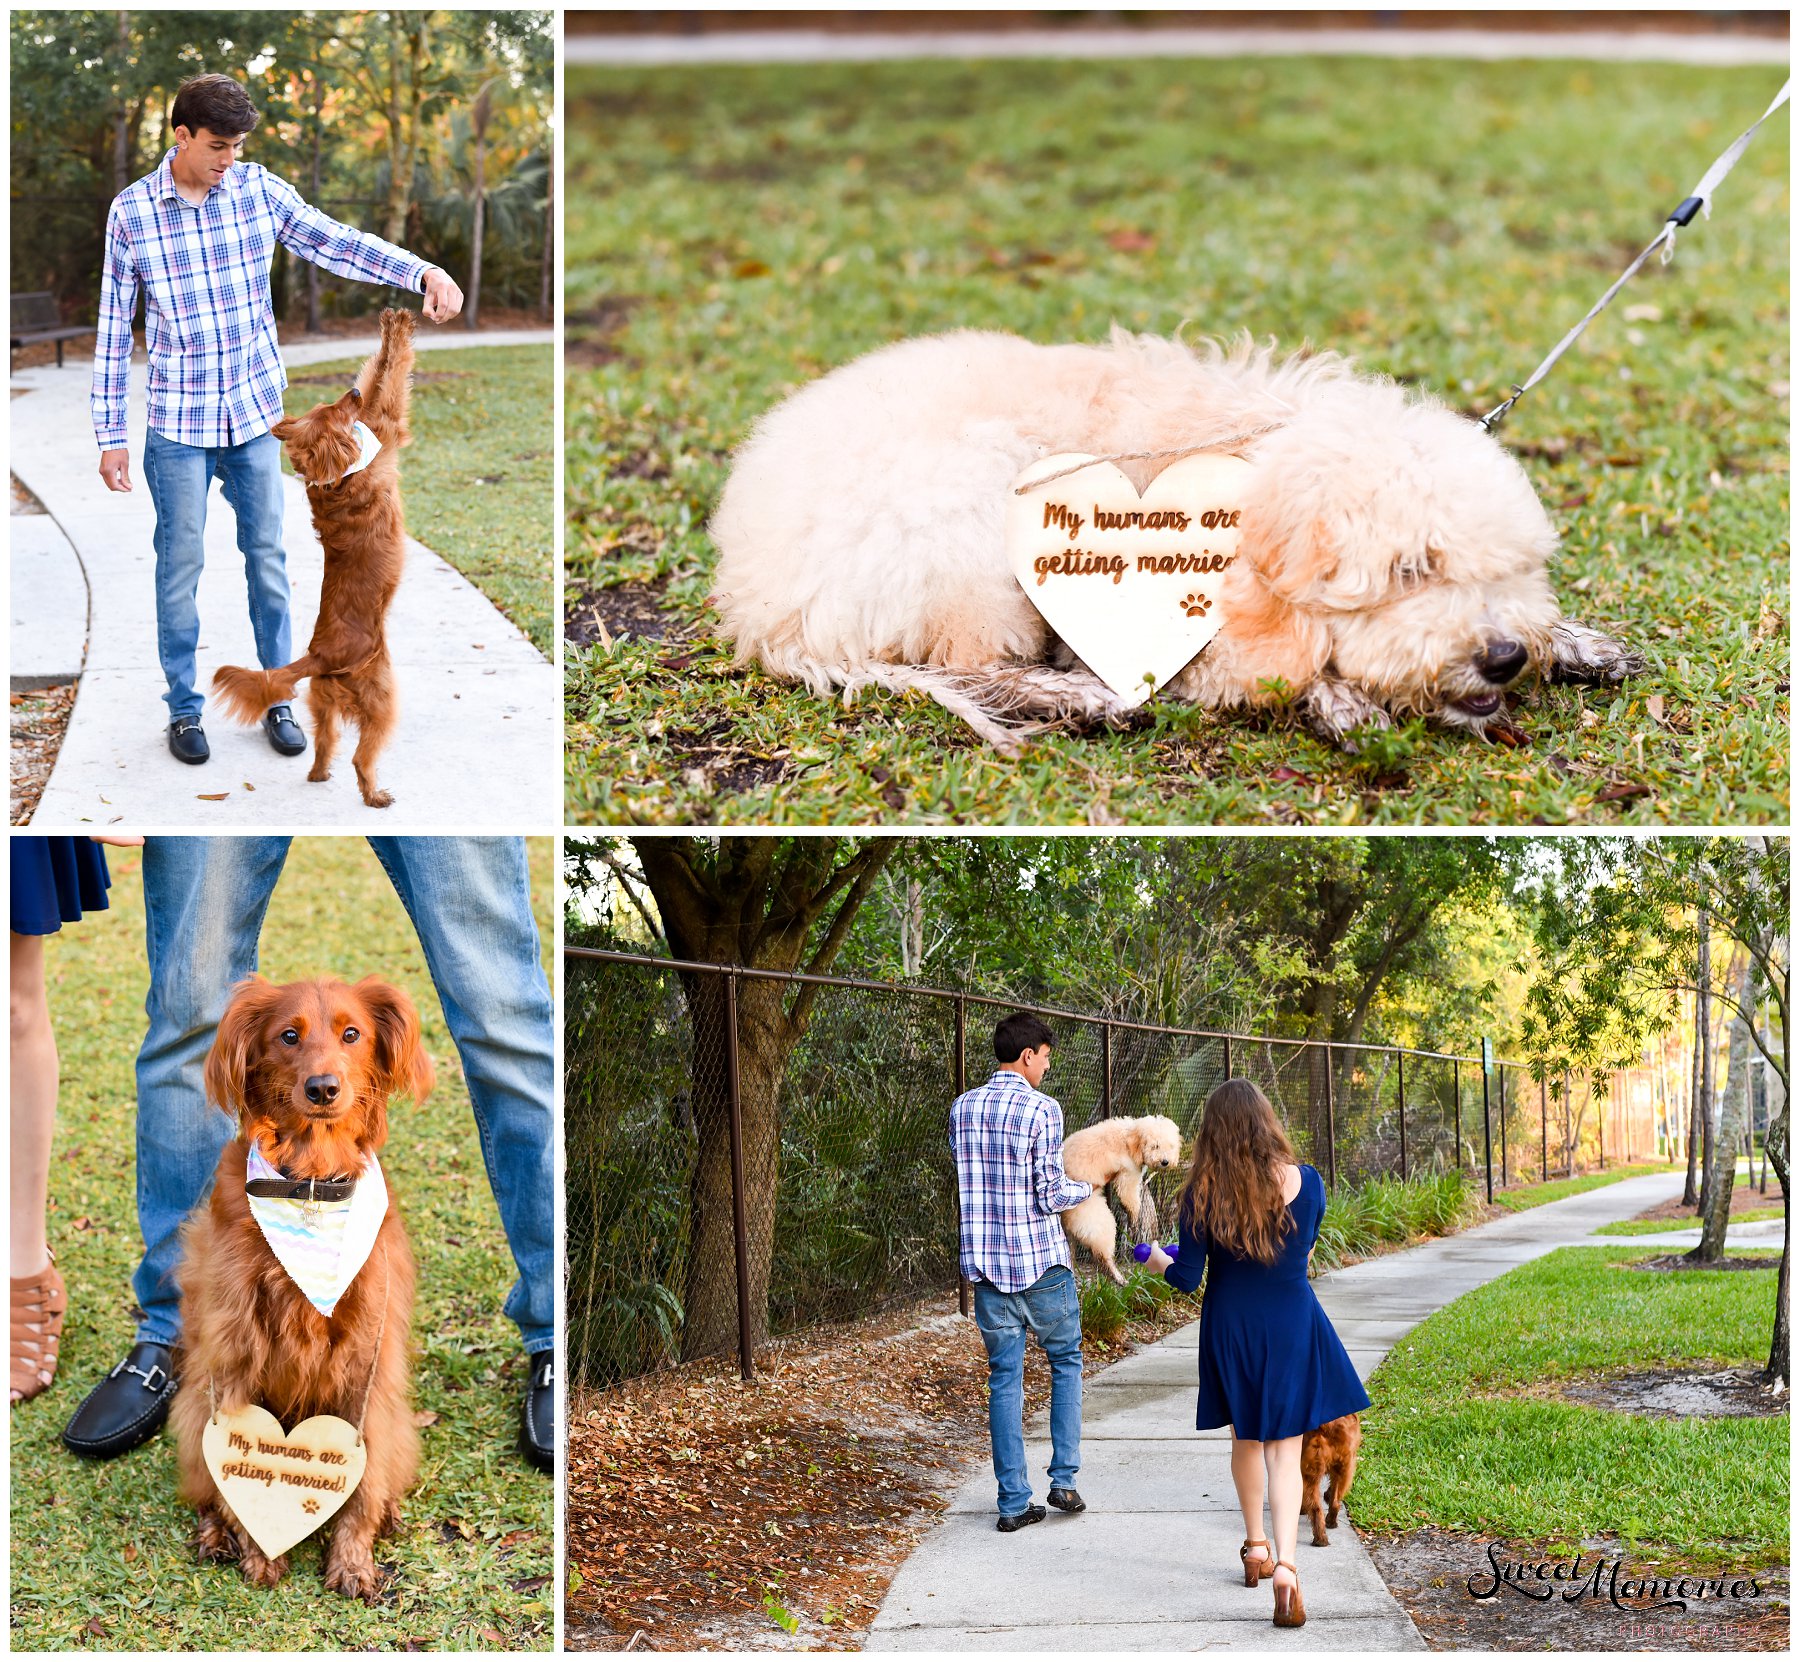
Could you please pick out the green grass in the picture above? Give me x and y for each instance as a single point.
(100, 1550)
(1657, 1226)
(1446, 1444)
(480, 474)
(735, 232)
(1560, 1188)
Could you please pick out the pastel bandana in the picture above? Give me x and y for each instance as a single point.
(321, 1244)
(371, 448)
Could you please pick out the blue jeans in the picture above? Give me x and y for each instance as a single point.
(1051, 1308)
(179, 477)
(469, 898)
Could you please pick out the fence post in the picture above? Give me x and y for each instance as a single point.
(739, 1234)
(1402, 1059)
(1505, 1174)
(1599, 1122)
(1544, 1128)
(1487, 1132)
(1456, 1092)
(1330, 1122)
(1106, 1070)
(962, 1084)
(1228, 1073)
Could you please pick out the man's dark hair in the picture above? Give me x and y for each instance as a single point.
(1017, 1034)
(215, 102)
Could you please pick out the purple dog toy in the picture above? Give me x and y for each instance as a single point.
(1141, 1252)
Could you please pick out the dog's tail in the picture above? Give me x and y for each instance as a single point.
(1005, 703)
(247, 693)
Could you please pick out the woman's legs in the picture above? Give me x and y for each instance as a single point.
(1281, 1459)
(33, 1104)
(1247, 1475)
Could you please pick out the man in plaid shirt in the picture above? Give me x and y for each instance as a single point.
(196, 237)
(1007, 1139)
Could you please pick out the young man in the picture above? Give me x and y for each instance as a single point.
(469, 898)
(1007, 1139)
(197, 236)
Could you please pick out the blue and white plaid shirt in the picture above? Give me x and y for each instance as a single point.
(215, 371)
(1007, 1139)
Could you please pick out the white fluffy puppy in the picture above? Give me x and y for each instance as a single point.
(1392, 558)
(1119, 1153)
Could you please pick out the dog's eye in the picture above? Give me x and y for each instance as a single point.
(351, 1035)
(289, 1036)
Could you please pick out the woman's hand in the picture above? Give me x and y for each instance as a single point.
(1158, 1261)
(119, 841)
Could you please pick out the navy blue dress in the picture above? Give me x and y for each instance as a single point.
(1271, 1363)
(55, 880)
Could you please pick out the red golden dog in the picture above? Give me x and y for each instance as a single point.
(307, 1069)
(358, 517)
(1329, 1451)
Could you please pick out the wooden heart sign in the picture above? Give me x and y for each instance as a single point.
(282, 1484)
(1132, 583)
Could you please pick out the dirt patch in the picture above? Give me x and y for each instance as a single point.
(590, 336)
(725, 764)
(1436, 1574)
(705, 1513)
(39, 720)
(1672, 1263)
(604, 615)
(1682, 1393)
(23, 502)
(1744, 1198)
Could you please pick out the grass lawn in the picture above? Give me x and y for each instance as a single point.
(100, 1550)
(1447, 1444)
(1560, 1188)
(1655, 1226)
(480, 474)
(735, 232)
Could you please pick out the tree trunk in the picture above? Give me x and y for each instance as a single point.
(1708, 1085)
(405, 103)
(318, 150)
(710, 1324)
(1716, 1211)
(1690, 1193)
(478, 120)
(912, 929)
(547, 278)
(1776, 1144)
(122, 121)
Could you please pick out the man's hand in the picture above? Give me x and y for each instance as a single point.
(443, 299)
(115, 469)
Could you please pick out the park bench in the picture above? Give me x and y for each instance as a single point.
(35, 318)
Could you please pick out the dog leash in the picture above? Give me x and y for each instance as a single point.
(212, 1400)
(1699, 202)
(1152, 455)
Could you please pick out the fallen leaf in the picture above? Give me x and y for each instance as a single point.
(750, 268)
(1654, 704)
(213, 796)
(1131, 242)
(425, 1416)
(1628, 792)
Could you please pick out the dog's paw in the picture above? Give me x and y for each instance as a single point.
(1336, 709)
(1578, 653)
(317, 775)
(214, 1541)
(258, 1570)
(390, 1520)
(378, 799)
(352, 1571)
(398, 320)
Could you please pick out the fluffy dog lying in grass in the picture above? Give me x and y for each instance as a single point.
(1392, 559)
(1118, 1153)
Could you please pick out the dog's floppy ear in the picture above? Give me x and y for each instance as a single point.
(228, 1063)
(399, 1051)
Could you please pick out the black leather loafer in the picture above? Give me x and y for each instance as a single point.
(537, 1421)
(1031, 1515)
(126, 1408)
(186, 742)
(1066, 1500)
(284, 732)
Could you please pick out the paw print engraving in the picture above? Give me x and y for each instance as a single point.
(1197, 605)
(309, 1505)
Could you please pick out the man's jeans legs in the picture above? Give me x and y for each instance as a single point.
(1051, 1309)
(204, 901)
(179, 477)
(470, 900)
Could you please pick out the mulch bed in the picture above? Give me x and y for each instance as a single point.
(1437, 1573)
(1744, 1198)
(705, 1513)
(1682, 1393)
(1672, 1263)
(39, 720)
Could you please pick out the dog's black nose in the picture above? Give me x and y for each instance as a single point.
(322, 1088)
(1500, 660)
(356, 392)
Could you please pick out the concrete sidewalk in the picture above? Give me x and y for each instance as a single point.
(479, 741)
(1152, 1564)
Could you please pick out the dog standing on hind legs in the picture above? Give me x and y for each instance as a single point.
(348, 453)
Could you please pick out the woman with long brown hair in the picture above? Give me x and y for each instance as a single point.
(1271, 1365)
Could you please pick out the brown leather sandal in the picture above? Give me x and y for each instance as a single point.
(1289, 1611)
(38, 1303)
(1261, 1569)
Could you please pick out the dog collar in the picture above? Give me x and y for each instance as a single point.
(322, 1240)
(368, 448)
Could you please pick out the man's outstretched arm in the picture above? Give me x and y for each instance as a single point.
(1056, 1191)
(112, 353)
(304, 230)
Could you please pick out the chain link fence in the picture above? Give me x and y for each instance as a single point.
(749, 1154)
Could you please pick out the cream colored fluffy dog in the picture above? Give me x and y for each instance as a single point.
(1392, 558)
(1119, 1153)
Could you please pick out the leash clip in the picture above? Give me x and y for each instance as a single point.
(1498, 414)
